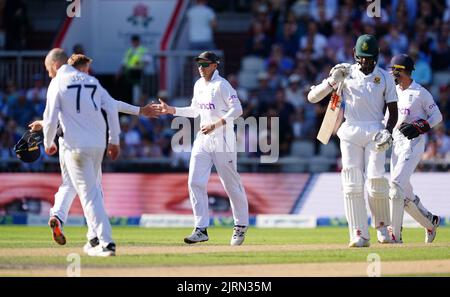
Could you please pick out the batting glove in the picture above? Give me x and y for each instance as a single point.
(383, 140)
(337, 74)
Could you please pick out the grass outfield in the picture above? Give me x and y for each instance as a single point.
(27, 250)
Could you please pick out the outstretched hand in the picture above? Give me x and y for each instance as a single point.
(150, 110)
(164, 108)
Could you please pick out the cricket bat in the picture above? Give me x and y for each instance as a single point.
(331, 115)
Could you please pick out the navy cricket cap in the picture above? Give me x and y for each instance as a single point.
(208, 56)
(402, 62)
(27, 148)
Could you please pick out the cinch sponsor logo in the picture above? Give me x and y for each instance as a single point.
(209, 105)
(404, 111)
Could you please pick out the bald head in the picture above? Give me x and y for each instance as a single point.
(57, 55)
(54, 60)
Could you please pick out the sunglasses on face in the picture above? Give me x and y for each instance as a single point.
(203, 64)
(396, 70)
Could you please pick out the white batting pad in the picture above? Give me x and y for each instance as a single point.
(379, 201)
(355, 205)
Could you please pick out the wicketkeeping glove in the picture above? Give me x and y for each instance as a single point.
(383, 140)
(414, 129)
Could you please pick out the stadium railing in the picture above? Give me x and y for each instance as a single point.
(174, 70)
(21, 66)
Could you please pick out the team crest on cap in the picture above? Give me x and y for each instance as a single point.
(377, 80)
(364, 46)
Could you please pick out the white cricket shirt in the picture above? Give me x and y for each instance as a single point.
(417, 103)
(75, 99)
(124, 107)
(366, 95)
(212, 100)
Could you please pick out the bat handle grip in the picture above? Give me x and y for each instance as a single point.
(339, 89)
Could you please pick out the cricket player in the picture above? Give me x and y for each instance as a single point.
(66, 192)
(366, 92)
(74, 99)
(216, 102)
(417, 114)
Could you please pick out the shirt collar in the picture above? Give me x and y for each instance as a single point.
(65, 68)
(374, 72)
(213, 77)
(413, 86)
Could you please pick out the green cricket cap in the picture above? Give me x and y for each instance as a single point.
(366, 46)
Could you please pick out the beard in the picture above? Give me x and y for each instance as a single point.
(367, 66)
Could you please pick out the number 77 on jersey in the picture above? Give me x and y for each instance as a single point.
(331, 115)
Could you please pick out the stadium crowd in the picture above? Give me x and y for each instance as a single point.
(298, 46)
(294, 44)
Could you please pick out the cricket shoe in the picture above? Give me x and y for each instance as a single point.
(57, 230)
(359, 242)
(238, 235)
(383, 234)
(90, 245)
(103, 251)
(198, 235)
(392, 236)
(430, 235)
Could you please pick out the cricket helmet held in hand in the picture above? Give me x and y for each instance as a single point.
(27, 148)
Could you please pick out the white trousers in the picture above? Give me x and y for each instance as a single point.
(406, 155)
(360, 159)
(358, 149)
(66, 191)
(81, 174)
(215, 150)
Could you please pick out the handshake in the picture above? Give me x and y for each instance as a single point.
(154, 110)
